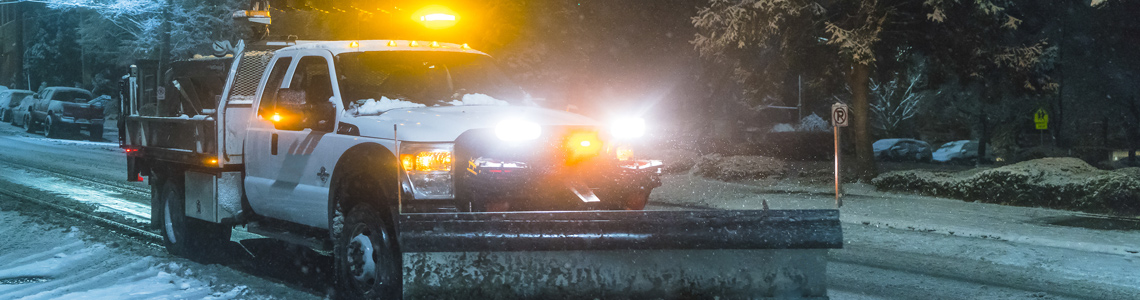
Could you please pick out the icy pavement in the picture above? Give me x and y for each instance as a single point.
(105, 200)
(44, 262)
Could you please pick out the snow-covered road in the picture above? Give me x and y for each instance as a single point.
(896, 246)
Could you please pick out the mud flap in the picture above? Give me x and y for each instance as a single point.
(618, 254)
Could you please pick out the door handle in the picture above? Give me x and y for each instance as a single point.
(273, 146)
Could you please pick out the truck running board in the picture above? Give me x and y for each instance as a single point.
(618, 254)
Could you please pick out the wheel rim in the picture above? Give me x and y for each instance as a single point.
(365, 258)
(168, 222)
(361, 259)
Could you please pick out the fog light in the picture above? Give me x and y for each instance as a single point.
(624, 153)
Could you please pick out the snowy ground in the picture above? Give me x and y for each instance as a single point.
(896, 246)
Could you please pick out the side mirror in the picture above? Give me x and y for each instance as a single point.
(289, 111)
(294, 112)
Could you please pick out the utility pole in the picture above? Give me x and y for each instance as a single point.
(800, 106)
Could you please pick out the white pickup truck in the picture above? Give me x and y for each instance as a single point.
(376, 150)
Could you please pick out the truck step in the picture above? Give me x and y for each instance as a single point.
(293, 234)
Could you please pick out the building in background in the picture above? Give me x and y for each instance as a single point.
(12, 45)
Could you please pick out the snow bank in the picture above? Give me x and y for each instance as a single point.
(1064, 183)
(366, 107)
(478, 99)
(739, 167)
(676, 161)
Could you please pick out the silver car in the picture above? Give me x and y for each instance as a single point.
(961, 152)
(9, 101)
(902, 150)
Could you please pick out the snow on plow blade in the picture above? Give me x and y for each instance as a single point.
(618, 254)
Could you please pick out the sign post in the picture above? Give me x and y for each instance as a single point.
(1041, 120)
(839, 116)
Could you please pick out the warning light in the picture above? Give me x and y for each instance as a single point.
(276, 117)
(624, 153)
(413, 44)
(465, 46)
(435, 17)
(354, 44)
(582, 145)
(391, 43)
(212, 161)
(434, 44)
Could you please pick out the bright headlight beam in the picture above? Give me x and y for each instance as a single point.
(517, 130)
(628, 128)
(438, 17)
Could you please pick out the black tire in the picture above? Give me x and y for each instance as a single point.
(29, 126)
(96, 132)
(185, 236)
(371, 271)
(51, 127)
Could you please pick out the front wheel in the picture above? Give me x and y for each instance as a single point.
(184, 236)
(367, 262)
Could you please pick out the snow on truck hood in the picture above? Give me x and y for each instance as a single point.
(446, 123)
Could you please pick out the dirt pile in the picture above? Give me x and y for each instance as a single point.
(1064, 183)
(741, 167)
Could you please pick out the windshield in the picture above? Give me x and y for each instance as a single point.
(374, 82)
(14, 98)
(72, 96)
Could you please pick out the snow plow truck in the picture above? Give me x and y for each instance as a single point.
(425, 174)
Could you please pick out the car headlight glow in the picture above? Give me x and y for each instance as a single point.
(517, 130)
(628, 128)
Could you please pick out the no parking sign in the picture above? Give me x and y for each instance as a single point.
(839, 115)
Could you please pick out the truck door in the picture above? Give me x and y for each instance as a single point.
(284, 179)
(40, 106)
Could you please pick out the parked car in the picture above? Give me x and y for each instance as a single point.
(20, 114)
(9, 100)
(961, 152)
(902, 150)
(61, 109)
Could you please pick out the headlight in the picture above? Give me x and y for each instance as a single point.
(428, 166)
(628, 128)
(517, 130)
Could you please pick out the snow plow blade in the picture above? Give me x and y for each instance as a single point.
(618, 254)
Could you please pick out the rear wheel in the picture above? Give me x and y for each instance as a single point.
(368, 264)
(28, 125)
(184, 236)
(51, 127)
